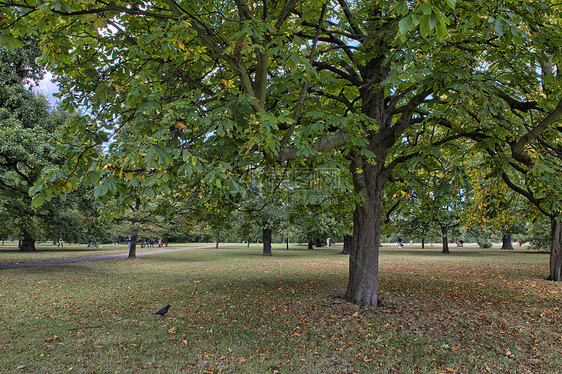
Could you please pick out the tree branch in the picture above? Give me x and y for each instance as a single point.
(523, 106)
(518, 149)
(528, 194)
(355, 80)
(407, 111)
(349, 16)
(326, 144)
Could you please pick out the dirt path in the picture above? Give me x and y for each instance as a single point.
(94, 258)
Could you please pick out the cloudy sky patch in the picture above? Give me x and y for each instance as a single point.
(48, 88)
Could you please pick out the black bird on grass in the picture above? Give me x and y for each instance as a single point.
(163, 311)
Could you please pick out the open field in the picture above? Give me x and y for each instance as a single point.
(236, 311)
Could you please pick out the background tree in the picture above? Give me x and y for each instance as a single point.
(518, 126)
(26, 128)
(437, 182)
(493, 208)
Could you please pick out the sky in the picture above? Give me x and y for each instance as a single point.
(48, 88)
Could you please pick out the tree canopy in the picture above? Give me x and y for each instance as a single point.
(27, 124)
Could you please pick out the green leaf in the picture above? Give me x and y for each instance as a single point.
(441, 30)
(10, 42)
(424, 26)
(498, 27)
(405, 25)
(425, 9)
(433, 21)
(451, 3)
(402, 8)
(150, 193)
(37, 201)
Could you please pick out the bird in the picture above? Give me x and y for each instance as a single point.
(163, 311)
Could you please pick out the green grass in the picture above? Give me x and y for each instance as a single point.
(236, 311)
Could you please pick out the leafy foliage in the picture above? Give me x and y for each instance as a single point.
(27, 126)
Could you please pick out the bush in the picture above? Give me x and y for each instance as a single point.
(539, 235)
(485, 244)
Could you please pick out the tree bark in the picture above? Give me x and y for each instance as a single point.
(310, 245)
(266, 238)
(556, 251)
(363, 285)
(218, 239)
(506, 242)
(28, 243)
(347, 243)
(423, 242)
(445, 240)
(362, 288)
(133, 246)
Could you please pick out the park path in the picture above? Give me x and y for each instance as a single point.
(94, 258)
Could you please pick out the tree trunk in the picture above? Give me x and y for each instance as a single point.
(287, 243)
(266, 237)
(445, 240)
(133, 246)
(347, 243)
(363, 286)
(555, 251)
(423, 242)
(506, 242)
(218, 239)
(28, 243)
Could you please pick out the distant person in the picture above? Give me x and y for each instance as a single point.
(160, 243)
(400, 242)
(61, 244)
(328, 242)
(129, 242)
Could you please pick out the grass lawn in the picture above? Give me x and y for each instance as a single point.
(235, 311)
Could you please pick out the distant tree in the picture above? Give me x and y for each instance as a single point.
(490, 207)
(433, 186)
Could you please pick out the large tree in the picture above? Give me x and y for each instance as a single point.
(206, 89)
(518, 125)
(26, 126)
